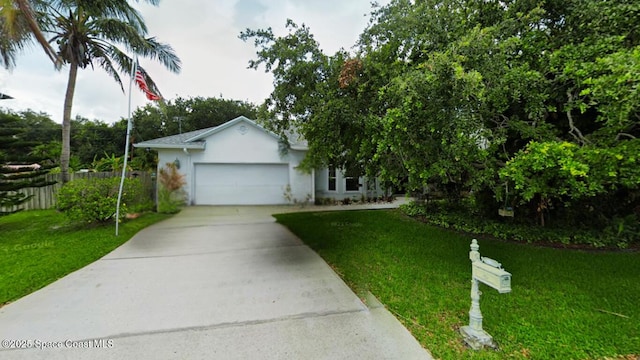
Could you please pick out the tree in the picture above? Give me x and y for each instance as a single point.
(36, 126)
(171, 117)
(92, 139)
(20, 24)
(18, 170)
(457, 94)
(89, 33)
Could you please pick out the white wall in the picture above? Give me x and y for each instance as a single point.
(301, 182)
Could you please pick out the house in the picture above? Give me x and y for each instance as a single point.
(242, 163)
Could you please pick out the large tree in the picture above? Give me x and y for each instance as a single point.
(537, 99)
(102, 33)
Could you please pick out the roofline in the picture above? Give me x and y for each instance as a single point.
(200, 146)
(228, 124)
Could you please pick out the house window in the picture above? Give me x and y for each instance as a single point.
(332, 179)
(351, 181)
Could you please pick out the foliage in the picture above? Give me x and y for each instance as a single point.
(183, 115)
(109, 163)
(170, 193)
(20, 167)
(565, 304)
(18, 28)
(92, 139)
(94, 200)
(558, 170)
(464, 96)
(38, 247)
(620, 233)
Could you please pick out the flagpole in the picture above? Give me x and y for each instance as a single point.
(126, 146)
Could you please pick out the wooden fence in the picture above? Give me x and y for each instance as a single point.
(45, 197)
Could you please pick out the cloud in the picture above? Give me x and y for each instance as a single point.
(249, 14)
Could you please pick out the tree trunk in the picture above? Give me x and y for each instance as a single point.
(66, 123)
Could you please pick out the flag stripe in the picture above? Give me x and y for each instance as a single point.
(142, 84)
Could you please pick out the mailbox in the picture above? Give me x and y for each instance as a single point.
(490, 272)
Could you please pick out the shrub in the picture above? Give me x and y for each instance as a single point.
(170, 193)
(95, 200)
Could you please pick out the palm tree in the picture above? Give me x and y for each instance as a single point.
(19, 27)
(90, 33)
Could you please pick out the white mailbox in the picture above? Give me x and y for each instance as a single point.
(490, 272)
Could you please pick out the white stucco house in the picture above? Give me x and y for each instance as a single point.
(242, 163)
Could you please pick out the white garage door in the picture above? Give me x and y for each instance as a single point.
(240, 184)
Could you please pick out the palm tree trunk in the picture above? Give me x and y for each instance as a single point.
(66, 122)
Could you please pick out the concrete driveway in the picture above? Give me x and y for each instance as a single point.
(209, 283)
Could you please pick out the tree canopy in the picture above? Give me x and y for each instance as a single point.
(537, 99)
(182, 115)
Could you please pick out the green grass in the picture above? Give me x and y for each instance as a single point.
(561, 307)
(39, 247)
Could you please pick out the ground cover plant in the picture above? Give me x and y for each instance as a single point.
(38, 247)
(619, 233)
(565, 304)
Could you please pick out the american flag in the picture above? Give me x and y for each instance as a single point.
(142, 84)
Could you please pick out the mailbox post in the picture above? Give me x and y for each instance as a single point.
(489, 272)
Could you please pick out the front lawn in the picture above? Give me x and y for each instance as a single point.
(38, 247)
(565, 304)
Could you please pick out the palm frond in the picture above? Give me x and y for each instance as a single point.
(118, 31)
(115, 9)
(163, 53)
(19, 26)
(121, 32)
(107, 65)
(119, 58)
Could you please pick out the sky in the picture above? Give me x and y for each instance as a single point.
(204, 34)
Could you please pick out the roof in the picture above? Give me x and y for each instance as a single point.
(180, 141)
(197, 139)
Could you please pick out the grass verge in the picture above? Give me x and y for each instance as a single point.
(38, 247)
(565, 304)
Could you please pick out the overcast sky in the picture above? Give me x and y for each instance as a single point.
(204, 34)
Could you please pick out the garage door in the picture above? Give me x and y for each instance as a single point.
(240, 184)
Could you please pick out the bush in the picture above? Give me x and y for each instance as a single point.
(95, 200)
(170, 194)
